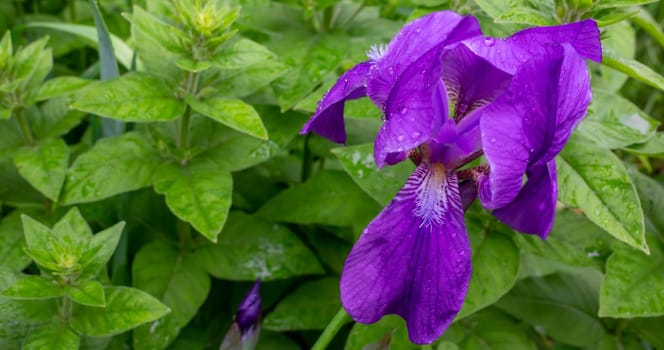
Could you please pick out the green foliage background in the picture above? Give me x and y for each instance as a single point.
(170, 129)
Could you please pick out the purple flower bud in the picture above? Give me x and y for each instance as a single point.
(243, 334)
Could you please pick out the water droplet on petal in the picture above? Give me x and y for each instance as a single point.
(401, 138)
(493, 139)
(489, 41)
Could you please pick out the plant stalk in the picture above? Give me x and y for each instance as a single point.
(66, 309)
(331, 330)
(24, 126)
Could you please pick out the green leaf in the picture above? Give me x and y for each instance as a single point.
(100, 249)
(634, 69)
(90, 293)
(322, 57)
(6, 50)
(44, 166)
(621, 39)
(52, 337)
(651, 194)
(646, 21)
(649, 329)
(198, 193)
(495, 265)
(53, 118)
(173, 277)
(253, 248)
(123, 52)
(19, 317)
(391, 326)
(607, 4)
(329, 198)
(654, 147)
(380, 184)
(242, 82)
(60, 86)
(33, 287)
(574, 240)
(596, 181)
(73, 226)
(234, 113)
(525, 15)
(242, 53)
(133, 97)
(615, 122)
(310, 306)
(563, 305)
(32, 63)
(114, 165)
(165, 35)
(192, 65)
(491, 330)
(633, 283)
(126, 308)
(38, 240)
(12, 243)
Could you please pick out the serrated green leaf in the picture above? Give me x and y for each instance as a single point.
(126, 308)
(165, 35)
(167, 274)
(12, 243)
(596, 181)
(651, 194)
(52, 118)
(242, 82)
(615, 122)
(90, 293)
(198, 193)
(52, 337)
(38, 241)
(44, 166)
(234, 113)
(565, 306)
(323, 56)
(133, 97)
(32, 63)
(495, 265)
(633, 283)
(328, 197)
(253, 248)
(112, 166)
(100, 249)
(381, 184)
(634, 69)
(241, 53)
(310, 306)
(525, 15)
(73, 224)
(33, 287)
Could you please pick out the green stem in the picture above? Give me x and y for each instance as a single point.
(331, 330)
(66, 309)
(307, 159)
(183, 142)
(25, 128)
(357, 12)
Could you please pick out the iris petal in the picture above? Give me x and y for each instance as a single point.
(510, 53)
(534, 209)
(328, 120)
(413, 259)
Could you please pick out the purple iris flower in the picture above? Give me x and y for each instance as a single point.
(449, 96)
(244, 332)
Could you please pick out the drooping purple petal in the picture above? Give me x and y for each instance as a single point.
(470, 80)
(249, 310)
(530, 123)
(413, 259)
(509, 53)
(534, 208)
(328, 120)
(405, 81)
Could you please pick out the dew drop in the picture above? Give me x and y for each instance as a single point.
(416, 134)
(489, 41)
(401, 138)
(493, 139)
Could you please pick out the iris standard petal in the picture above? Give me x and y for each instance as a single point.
(534, 209)
(509, 53)
(413, 259)
(328, 120)
(470, 80)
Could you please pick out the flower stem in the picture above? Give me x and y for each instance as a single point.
(25, 128)
(331, 330)
(183, 142)
(66, 309)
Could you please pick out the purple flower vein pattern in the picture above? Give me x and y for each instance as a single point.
(450, 95)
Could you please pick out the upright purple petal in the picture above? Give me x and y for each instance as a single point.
(534, 208)
(405, 81)
(509, 53)
(532, 121)
(413, 259)
(470, 80)
(328, 120)
(249, 311)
